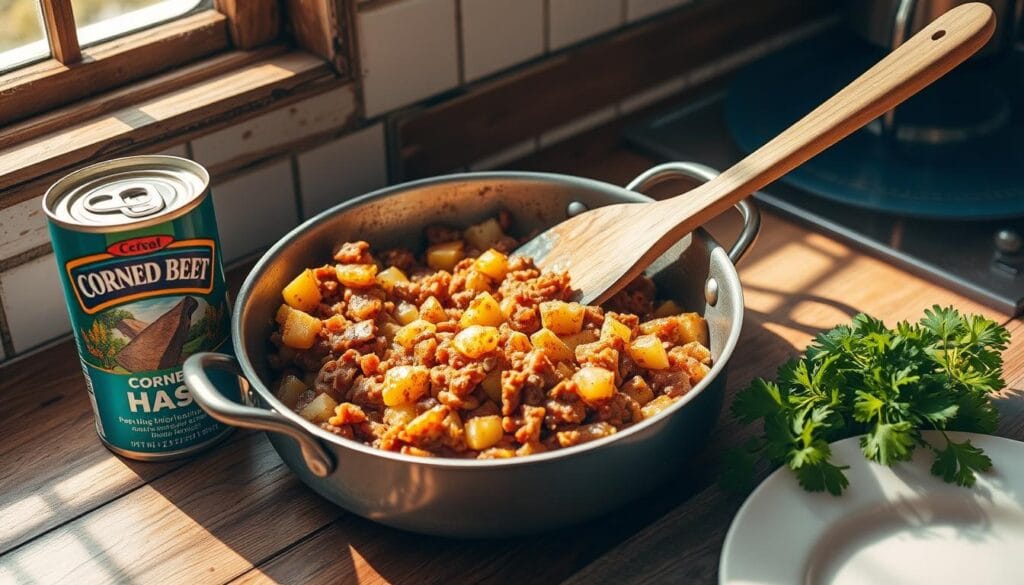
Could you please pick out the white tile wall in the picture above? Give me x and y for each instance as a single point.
(255, 209)
(351, 165)
(33, 300)
(407, 52)
(572, 21)
(637, 9)
(503, 157)
(577, 126)
(22, 227)
(497, 34)
(317, 114)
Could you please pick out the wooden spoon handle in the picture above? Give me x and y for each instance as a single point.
(925, 57)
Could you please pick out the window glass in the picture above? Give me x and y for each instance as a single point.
(100, 20)
(22, 36)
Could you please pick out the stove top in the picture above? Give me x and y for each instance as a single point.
(983, 259)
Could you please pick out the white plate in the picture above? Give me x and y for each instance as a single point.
(890, 526)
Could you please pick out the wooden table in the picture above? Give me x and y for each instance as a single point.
(71, 512)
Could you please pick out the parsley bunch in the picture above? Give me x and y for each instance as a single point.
(885, 384)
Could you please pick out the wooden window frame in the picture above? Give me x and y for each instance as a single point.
(73, 73)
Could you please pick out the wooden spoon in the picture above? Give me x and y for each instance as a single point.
(606, 248)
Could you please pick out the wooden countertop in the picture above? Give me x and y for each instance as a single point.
(72, 512)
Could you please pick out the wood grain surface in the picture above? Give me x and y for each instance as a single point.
(74, 513)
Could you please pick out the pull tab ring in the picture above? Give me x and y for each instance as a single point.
(134, 202)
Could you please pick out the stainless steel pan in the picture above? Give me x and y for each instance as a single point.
(471, 498)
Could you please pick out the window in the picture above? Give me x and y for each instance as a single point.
(54, 52)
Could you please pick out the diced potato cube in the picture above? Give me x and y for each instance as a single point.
(484, 234)
(408, 335)
(300, 330)
(320, 409)
(406, 313)
(554, 348)
(405, 384)
(476, 341)
(389, 330)
(648, 352)
(678, 329)
(585, 336)
(431, 310)
(655, 406)
(290, 390)
(615, 328)
(483, 432)
(483, 310)
(303, 292)
(518, 341)
(282, 314)
(492, 385)
(693, 327)
(492, 263)
(391, 276)
(477, 281)
(667, 309)
(595, 385)
(399, 414)
(356, 275)
(508, 306)
(638, 389)
(564, 370)
(446, 255)
(561, 317)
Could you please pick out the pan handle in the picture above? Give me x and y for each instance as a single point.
(703, 173)
(210, 398)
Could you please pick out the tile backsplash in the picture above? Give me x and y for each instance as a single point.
(274, 169)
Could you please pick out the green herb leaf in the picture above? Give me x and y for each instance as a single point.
(958, 463)
(887, 384)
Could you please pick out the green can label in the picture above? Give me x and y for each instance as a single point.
(141, 301)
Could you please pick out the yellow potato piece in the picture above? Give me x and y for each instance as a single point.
(290, 389)
(282, 314)
(492, 385)
(406, 313)
(405, 384)
(492, 263)
(576, 339)
(399, 414)
(594, 384)
(389, 277)
(556, 349)
(477, 281)
(407, 335)
(356, 275)
(476, 341)
(655, 406)
(431, 310)
(303, 292)
(614, 328)
(648, 352)
(445, 256)
(518, 342)
(320, 409)
(483, 310)
(561, 317)
(483, 432)
(484, 234)
(667, 309)
(300, 330)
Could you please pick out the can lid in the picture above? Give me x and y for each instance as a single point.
(126, 193)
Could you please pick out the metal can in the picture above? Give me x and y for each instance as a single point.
(137, 248)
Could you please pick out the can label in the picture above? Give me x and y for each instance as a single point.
(141, 301)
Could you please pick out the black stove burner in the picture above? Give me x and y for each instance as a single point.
(958, 151)
(982, 259)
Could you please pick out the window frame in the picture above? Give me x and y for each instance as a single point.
(72, 73)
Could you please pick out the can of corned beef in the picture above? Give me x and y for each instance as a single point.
(137, 249)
